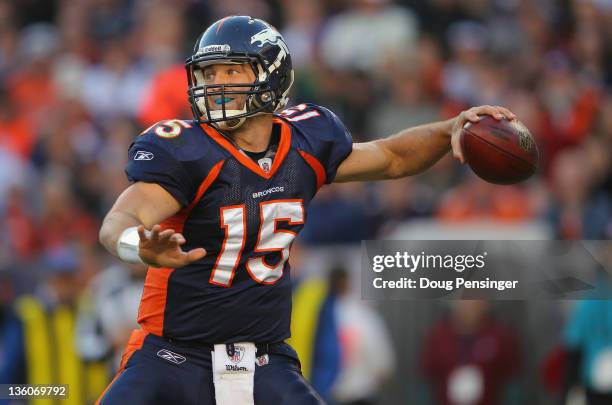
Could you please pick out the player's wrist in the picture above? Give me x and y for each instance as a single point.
(128, 246)
(448, 126)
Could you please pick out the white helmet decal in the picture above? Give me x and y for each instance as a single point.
(270, 36)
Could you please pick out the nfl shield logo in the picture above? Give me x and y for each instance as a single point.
(265, 164)
(238, 354)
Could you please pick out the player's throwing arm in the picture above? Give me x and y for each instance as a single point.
(412, 150)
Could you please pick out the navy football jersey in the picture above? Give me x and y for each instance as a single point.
(244, 216)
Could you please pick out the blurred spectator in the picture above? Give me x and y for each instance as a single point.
(19, 225)
(256, 8)
(468, 40)
(369, 35)
(598, 212)
(366, 351)
(108, 312)
(166, 97)
(343, 344)
(8, 38)
(339, 215)
(63, 221)
(476, 200)
(119, 134)
(469, 357)
(108, 19)
(117, 84)
(16, 132)
(599, 152)
(31, 85)
(408, 104)
(582, 205)
(18, 188)
(40, 340)
(588, 339)
(586, 342)
(7, 297)
(571, 105)
(308, 297)
(303, 23)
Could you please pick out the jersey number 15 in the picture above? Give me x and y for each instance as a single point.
(269, 239)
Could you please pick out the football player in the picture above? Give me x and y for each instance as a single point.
(214, 205)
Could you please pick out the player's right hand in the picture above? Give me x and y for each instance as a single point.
(473, 115)
(163, 248)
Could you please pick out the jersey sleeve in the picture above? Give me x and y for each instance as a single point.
(325, 137)
(341, 146)
(149, 161)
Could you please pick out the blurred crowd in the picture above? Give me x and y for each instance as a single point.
(79, 79)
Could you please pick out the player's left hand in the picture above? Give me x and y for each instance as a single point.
(162, 248)
(473, 115)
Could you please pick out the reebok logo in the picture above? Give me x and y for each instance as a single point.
(171, 356)
(143, 155)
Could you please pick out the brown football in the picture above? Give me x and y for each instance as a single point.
(500, 152)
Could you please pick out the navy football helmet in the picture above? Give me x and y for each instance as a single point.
(239, 40)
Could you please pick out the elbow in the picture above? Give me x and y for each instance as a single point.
(104, 236)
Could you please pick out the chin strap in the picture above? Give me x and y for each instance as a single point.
(225, 125)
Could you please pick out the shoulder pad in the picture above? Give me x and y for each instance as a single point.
(183, 139)
(301, 112)
(321, 134)
(315, 120)
(168, 129)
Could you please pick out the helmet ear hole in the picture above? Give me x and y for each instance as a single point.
(261, 99)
